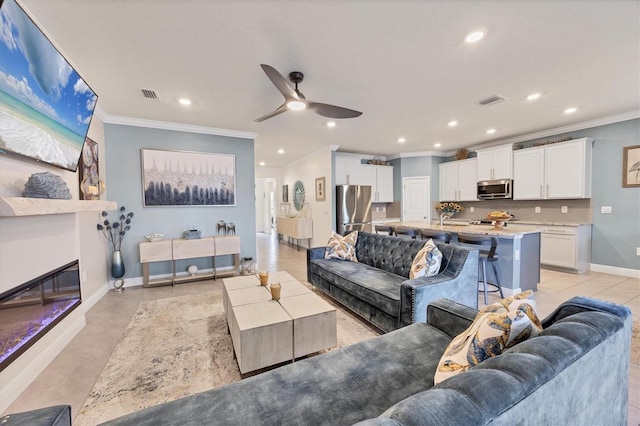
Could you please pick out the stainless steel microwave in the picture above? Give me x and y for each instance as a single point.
(494, 189)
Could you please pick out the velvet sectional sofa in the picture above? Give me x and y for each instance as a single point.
(377, 287)
(574, 373)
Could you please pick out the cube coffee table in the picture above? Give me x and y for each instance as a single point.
(266, 332)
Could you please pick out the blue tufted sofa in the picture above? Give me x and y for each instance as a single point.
(576, 372)
(378, 288)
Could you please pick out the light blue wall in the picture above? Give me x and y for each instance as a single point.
(417, 166)
(614, 236)
(124, 180)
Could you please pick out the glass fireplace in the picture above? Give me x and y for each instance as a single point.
(30, 310)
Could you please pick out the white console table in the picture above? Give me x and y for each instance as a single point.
(295, 227)
(178, 248)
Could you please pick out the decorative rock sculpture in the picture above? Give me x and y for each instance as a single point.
(46, 185)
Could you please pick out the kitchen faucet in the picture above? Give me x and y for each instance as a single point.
(444, 216)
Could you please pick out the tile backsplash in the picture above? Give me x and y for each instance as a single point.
(578, 211)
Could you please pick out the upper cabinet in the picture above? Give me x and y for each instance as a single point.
(347, 170)
(458, 180)
(557, 171)
(381, 180)
(495, 163)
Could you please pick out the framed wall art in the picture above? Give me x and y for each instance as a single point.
(285, 193)
(631, 166)
(181, 178)
(88, 163)
(320, 189)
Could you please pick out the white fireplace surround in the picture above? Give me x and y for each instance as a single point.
(37, 236)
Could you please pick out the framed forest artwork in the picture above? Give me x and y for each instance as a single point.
(182, 178)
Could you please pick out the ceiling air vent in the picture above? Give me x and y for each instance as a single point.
(491, 100)
(149, 94)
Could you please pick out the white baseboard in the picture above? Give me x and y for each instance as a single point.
(138, 281)
(94, 298)
(20, 373)
(614, 270)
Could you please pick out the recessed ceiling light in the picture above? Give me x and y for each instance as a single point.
(331, 124)
(570, 110)
(281, 151)
(437, 145)
(491, 131)
(452, 123)
(533, 96)
(296, 105)
(262, 163)
(401, 140)
(184, 101)
(474, 36)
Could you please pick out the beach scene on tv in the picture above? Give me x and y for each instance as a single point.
(45, 107)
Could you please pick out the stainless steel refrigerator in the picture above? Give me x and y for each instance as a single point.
(353, 208)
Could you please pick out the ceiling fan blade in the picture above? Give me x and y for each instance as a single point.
(282, 108)
(280, 82)
(332, 111)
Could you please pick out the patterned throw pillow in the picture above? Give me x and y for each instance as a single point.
(427, 261)
(489, 335)
(340, 247)
(511, 303)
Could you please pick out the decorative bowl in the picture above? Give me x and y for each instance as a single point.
(154, 237)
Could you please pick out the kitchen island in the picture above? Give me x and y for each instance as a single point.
(518, 251)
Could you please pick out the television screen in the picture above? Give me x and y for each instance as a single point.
(45, 106)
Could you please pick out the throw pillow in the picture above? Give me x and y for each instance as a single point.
(340, 247)
(427, 261)
(488, 336)
(511, 304)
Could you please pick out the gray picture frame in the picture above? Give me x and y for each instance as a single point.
(187, 178)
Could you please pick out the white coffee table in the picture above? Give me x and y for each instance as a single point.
(265, 332)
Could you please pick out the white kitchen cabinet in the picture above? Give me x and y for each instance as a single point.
(557, 171)
(566, 247)
(495, 163)
(347, 170)
(380, 178)
(458, 181)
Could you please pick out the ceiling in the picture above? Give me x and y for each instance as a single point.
(404, 63)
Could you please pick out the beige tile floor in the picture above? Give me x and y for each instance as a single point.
(71, 375)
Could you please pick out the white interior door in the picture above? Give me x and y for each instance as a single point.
(416, 198)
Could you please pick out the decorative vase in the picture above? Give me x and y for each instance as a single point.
(117, 270)
(117, 265)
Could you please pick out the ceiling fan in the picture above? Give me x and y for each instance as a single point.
(295, 100)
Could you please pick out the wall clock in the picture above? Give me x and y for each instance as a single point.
(298, 195)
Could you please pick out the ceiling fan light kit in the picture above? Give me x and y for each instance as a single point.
(295, 100)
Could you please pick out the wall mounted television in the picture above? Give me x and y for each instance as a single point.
(45, 106)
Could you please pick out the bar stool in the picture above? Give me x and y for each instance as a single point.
(406, 233)
(489, 256)
(384, 230)
(435, 235)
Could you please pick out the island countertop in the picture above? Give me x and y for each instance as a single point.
(509, 231)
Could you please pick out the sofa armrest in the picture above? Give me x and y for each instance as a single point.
(312, 254)
(457, 282)
(450, 317)
(58, 415)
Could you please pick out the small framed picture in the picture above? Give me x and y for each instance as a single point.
(285, 193)
(320, 189)
(631, 166)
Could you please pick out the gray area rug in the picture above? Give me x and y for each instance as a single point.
(172, 348)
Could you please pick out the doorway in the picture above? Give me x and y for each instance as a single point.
(416, 198)
(265, 205)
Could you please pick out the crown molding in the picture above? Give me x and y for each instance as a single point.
(179, 127)
(418, 154)
(563, 129)
(99, 112)
(334, 147)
